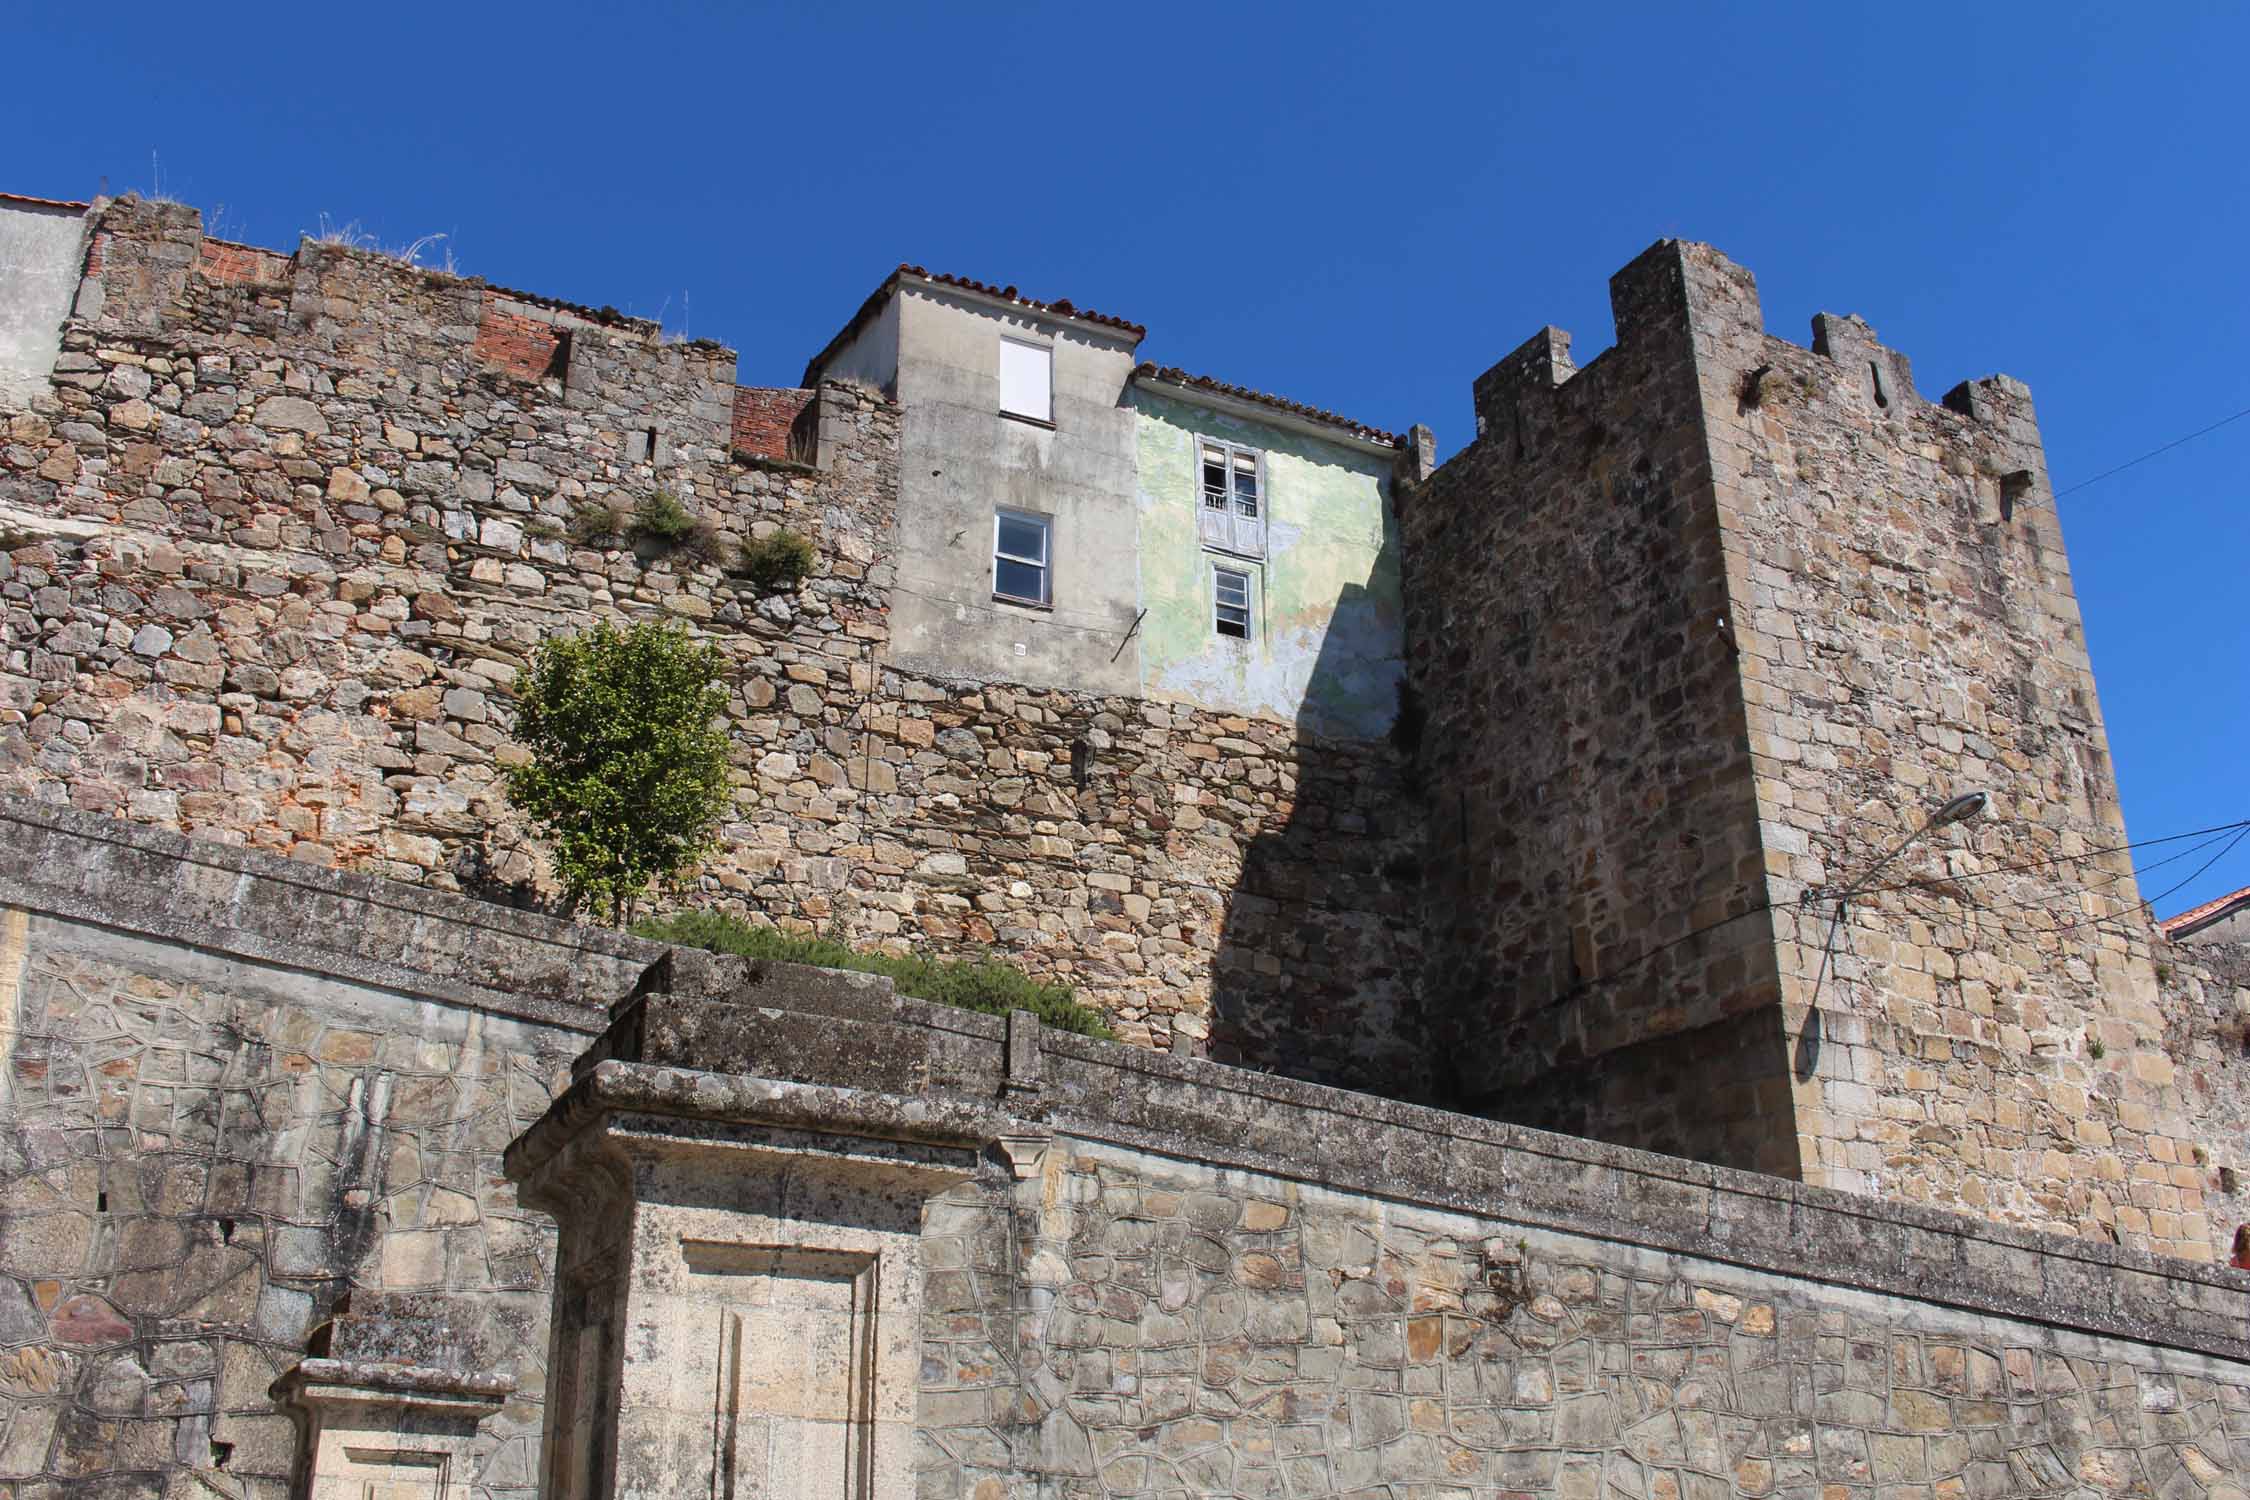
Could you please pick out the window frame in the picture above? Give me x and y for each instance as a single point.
(1045, 563)
(1249, 604)
(1047, 352)
(1232, 454)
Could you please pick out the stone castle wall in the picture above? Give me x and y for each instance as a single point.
(1777, 609)
(283, 528)
(1988, 1034)
(1698, 632)
(1592, 821)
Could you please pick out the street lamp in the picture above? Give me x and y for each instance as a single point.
(1957, 809)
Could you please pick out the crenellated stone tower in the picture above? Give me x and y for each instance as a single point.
(1705, 632)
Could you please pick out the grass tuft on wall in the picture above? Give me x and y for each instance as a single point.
(984, 985)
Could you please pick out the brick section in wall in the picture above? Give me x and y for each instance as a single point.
(526, 348)
(242, 265)
(763, 419)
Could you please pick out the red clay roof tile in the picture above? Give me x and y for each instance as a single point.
(2196, 915)
(1176, 376)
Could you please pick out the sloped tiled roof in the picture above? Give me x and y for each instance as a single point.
(1060, 307)
(1173, 375)
(40, 202)
(2209, 911)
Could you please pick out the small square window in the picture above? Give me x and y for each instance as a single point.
(1231, 596)
(1022, 567)
(1027, 380)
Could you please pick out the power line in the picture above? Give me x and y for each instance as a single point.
(2065, 859)
(1933, 886)
(2154, 452)
(2240, 829)
(2150, 902)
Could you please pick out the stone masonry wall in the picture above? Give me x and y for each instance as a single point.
(238, 1085)
(1200, 1333)
(1591, 818)
(1173, 1279)
(2204, 992)
(234, 1090)
(1987, 1036)
(283, 529)
(1801, 608)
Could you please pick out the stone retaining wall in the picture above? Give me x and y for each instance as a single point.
(236, 1088)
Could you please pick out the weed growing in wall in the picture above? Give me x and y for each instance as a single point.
(775, 563)
(592, 521)
(660, 517)
(979, 985)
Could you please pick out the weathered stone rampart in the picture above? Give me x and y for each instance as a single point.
(1597, 866)
(236, 1088)
(282, 529)
(240, 1087)
(1699, 635)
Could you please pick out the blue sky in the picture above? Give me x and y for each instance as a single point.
(1352, 208)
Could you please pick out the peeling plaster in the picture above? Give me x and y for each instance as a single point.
(1326, 644)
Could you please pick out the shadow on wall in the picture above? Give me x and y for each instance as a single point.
(1318, 968)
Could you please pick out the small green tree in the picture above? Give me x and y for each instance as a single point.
(628, 770)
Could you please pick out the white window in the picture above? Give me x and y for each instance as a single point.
(1022, 567)
(1231, 602)
(1232, 513)
(1027, 380)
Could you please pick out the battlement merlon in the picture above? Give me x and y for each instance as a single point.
(1687, 297)
(1540, 363)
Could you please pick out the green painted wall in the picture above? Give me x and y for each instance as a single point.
(1327, 633)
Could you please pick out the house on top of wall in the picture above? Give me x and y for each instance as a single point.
(1069, 516)
(2224, 920)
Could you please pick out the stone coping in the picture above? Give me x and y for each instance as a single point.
(614, 1088)
(1356, 1143)
(371, 1380)
(250, 904)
